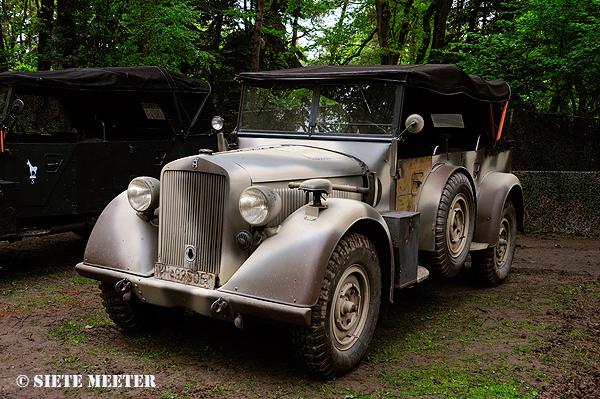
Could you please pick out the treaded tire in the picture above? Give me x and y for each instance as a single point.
(492, 265)
(132, 315)
(345, 316)
(454, 228)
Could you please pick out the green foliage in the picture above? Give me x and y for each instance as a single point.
(548, 49)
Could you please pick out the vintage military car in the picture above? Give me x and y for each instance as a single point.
(345, 179)
(71, 140)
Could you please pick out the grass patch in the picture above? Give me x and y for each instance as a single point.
(458, 381)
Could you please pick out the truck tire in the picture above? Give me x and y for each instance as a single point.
(492, 265)
(345, 316)
(454, 227)
(132, 315)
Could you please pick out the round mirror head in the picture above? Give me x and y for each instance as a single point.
(414, 123)
(18, 105)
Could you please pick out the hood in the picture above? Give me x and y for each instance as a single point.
(287, 163)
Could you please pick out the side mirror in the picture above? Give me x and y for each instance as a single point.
(17, 106)
(414, 123)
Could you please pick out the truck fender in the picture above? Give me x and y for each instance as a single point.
(429, 200)
(495, 188)
(121, 240)
(289, 267)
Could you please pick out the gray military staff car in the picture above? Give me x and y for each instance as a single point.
(348, 183)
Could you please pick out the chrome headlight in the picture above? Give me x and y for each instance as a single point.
(143, 193)
(217, 123)
(259, 205)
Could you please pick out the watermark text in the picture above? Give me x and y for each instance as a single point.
(92, 381)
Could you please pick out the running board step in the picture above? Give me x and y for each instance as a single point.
(478, 246)
(422, 274)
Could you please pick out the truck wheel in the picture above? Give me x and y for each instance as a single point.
(454, 227)
(132, 315)
(491, 266)
(344, 318)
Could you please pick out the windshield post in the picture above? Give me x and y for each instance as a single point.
(5, 95)
(398, 111)
(200, 108)
(314, 109)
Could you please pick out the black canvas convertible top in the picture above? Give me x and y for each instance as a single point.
(142, 78)
(441, 78)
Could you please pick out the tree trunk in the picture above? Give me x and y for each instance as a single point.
(65, 32)
(439, 24)
(3, 54)
(260, 11)
(382, 18)
(422, 53)
(46, 18)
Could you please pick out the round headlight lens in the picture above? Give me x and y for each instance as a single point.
(217, 122)
(259, 205)
(142, 194)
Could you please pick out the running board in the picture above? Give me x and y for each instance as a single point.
(478, 246)
(422, 274)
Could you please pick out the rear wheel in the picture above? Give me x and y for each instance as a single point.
(454, 227)
(492, 265)
(345, 316)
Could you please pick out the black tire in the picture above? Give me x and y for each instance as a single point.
(132, 315)
(492, 265)
(345, 316)
(454, 228)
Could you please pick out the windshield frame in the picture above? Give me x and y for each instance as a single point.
(396, 97)
(4, 109)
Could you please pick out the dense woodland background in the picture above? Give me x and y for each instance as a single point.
(548, 50)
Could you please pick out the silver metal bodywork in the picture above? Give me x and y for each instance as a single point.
(280, 275)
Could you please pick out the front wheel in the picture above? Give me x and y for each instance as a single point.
(344, 318)
(132, 315)
(491, 266)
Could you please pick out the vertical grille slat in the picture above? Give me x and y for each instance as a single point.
(191, 216)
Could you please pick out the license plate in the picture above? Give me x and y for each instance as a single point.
(184, 275)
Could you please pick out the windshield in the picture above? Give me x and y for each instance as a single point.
(356, 109)
(278, 108)
(342, 109)
(3, 97)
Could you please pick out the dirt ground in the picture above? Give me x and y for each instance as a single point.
(537, 335)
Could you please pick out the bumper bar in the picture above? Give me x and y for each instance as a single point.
(171, 294)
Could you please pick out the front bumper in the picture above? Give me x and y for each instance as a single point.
(200, 300)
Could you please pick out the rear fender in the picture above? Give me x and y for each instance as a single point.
(289, 267)
(429, 201)
(493, 192)
(121, 240)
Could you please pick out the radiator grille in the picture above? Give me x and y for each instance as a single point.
(191, 220)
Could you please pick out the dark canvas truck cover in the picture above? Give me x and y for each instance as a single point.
(84, 133)
(440, 78)
(144, 78)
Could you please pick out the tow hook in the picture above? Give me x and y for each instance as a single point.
(218, 307)
(123, 287)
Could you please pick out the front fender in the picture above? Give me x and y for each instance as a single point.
(289, 267)
(121, 240)
(493, 191)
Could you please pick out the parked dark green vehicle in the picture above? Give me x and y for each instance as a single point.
(73, 139)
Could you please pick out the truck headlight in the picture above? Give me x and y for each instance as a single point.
(217, 123)
(143, 193)
(259, 205)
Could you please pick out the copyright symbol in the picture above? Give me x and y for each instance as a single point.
(22, 381)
